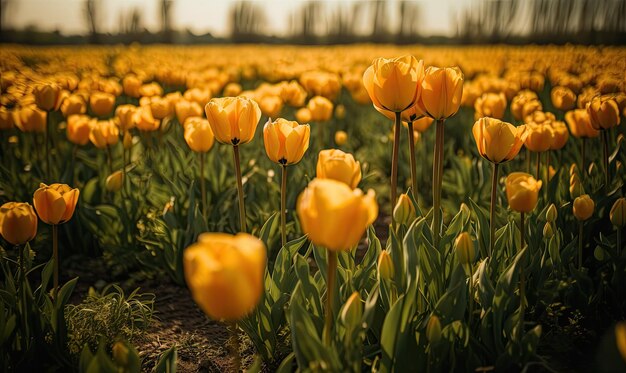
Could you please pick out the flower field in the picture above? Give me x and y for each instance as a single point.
(282, 208)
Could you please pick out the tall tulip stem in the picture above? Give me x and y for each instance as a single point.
(580, 245)
(394, 158)
(242, 208)
(437, 179)
(471, 293)
(492, 209)
(522, 281)
(320, 135)
(283, 206)
(605, 158)
(234, 345)
(47, 145)
(582, 156)
(23, 291)
(110, 159)
(538, 173)
(330, 295)
(412, 160)
(55, 258)
(203, 186)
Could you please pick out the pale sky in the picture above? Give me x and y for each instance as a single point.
(200, 15)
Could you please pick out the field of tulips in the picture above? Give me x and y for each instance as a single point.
(349, 208)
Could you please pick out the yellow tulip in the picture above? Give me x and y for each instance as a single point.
(233, 119)
(335, 216)
(232, 90)
(6, 119)
(464, 248)
(197, 95)
(563, 98)
(198, 134)
(522, 191)
(144, 120)
(352, 311)
(293, 94)
(539, 137)
(579, 124)
(393, 84)
(583, 207)
(30, 119)
(47, 96)
(490, 105)
(442, 90)
(186, 109)
(18, 222)
(286, 141)
(303, 115)
(124, 117)
(131, 85)
(340, 111)
(101, 103)
(433, 329)
(404, 211)
(104, 133)
(560, 134)
(618, 213)
(385, 267)
(115, 181)
(498, 141)
(551, 214)
(225, 274)
(78, 129)
(337, 165)
(73, 104)
(55, 203)
(603, 113)
(271, 105)
(321, 109)
(341, 137)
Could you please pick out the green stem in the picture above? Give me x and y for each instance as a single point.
(23, 295)
(492, 209)
(580, 245)
(283, 206)
(47, 145)
(605, 153)
(394, 160)
(330, 295)
(412, 160)
(538, 173)
(522, 281)
(582, 156)
(242, 208)
(203, 187)
(55, 258)
(320, 134)
(619, 242)
(437, 179)
(471, 294)
(234, 340)
(110, 159)
(528, 156)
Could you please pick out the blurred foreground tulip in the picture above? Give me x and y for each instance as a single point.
(337, 165)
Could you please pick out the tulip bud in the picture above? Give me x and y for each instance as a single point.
(18, 222)
(551, 214)
(341, 137)
(321, 109)
(340, 111)
(490, 105)
(115, 181)
(352, 311)
(563, 98)
(303, 115)
(575, 186)
(73, 104)
(583, 207)
(126, 356)
(337, 165)
(618, 213)
(128, 141)
(465, 249)
(385, 266)
(286, 141)
(78, 129)
(433, 329)
(404, 211)
(233, 119)
(442, 89)
(548, 232)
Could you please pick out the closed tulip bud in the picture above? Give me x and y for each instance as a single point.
(522, 191)
(104, 133)
(539, 137)
(73, 104)
(78, 129)
(341, 137)
(225, 274)
(386, 269)
(144, 120)
(6, 119)
(465, 249)
(583, 207)
(563, 98)
(442, 89)
(55, 203)
(433, 329)
(352, 310)
(187, 109)
(548, 232)
(233, 119)
(131, 85)
(321, 109)
(490, 105)
(560, 135)
(126, 356)
(394, 84)
(575, 186)
(47, 96)
(18, 222)
(303, 115)
(198, 134)
(30, 119)
(579, 124)
(404, 211)
(337, 165)
(618, 213)
(127, 141)
(286, 141)
(551, 214)
(115, 181)
(603, 113)
(498, 141)
(333, 215)
(124, 116)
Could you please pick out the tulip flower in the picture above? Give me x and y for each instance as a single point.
(186, 109)
(583, 209)
(580, 126)
(124, 117)
(385, 266)
(321, 110)
(335, 217)
(303, 115)
(497, 142)
(404, 211)
(78, 129)
(101, 103)
(47, 96)
(604, 114)
(200, 138)
(115, 181)
(18, 222)
(490, 105)
(144, 120)
(433, 329)
(563, 98)
(131, 85)
(104, 134)
(73, 104)
(341, 137)
(55, 204)
(337, 165)
(466, 254)
(234, 121)
(6, 119)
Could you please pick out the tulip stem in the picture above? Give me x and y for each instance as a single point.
(47, 145)
(23, 293)
(582, 156)
(394, 160)
(234, 337)
(320, 134)
(110, 159)
(492, 209)
(283, 206)
(412, 160)
(605, 153)
(55, 258)
(528, 157)
(471, 294)
(580, 245)
(538, 173)
(330, 295)
(203, 186)
(437, 179)
(619, 242)
(522, 281)
(242, 208)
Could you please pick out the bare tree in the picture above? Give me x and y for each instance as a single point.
(409, 20)
(247, 21)
(379, 20)
(166, 21)
(91, 14)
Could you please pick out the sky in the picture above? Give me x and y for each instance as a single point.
(200, 16)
